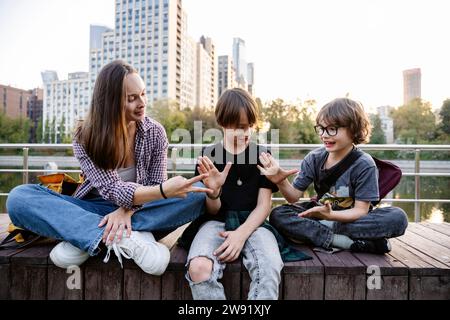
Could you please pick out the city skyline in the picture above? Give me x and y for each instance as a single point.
(349, 47)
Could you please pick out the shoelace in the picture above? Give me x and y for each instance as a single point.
(119, 250)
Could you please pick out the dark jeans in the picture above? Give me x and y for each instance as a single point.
(387, 222)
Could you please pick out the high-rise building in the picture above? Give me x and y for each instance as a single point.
(14, 101)
(226, 77)
(240, 62)
(65, 102)
(148, 35)
(387, 123)
(251, 78)
(188, 67)
(34, 111)
(206, 73)
(412, 85)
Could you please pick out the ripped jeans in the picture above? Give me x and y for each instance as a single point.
(261, 257)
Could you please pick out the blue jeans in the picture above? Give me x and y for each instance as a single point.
(50, 214)
(261, 257)
(386, 222)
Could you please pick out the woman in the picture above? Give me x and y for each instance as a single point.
(123, 156)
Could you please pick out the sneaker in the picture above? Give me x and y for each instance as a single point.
(65, 255)
(151, 256)
(377, 246)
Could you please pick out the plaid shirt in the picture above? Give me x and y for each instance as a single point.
(151, 167)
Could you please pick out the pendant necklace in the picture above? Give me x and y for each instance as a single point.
(239, 181)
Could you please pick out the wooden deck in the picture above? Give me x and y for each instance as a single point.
(417, 268)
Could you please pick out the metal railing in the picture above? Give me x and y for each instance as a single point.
(174, 150)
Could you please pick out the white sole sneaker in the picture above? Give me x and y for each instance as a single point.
(65, 255)
(151, 256)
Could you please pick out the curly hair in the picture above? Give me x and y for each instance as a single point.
(344, 112)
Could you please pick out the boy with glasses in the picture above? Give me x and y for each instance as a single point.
(346, 180)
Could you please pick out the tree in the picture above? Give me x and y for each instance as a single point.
(415, 123)
(377, 136)
(294, 122)
(168, 113)
(444, 115)
(39, 135)
(14, 130)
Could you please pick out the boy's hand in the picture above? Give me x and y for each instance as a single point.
(321, 212)
(179, 187)
(231, 248)
(215, 179)
(272, 170)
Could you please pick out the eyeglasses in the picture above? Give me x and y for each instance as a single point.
(330, 130)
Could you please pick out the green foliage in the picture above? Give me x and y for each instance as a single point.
(377, 136)
(415, 123)
(294, 121)
(14, 130)
(444, 126)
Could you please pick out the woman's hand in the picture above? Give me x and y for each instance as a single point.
(272, 170)
(231, 248)
(116, 222)
(179, 187)
(215, 179)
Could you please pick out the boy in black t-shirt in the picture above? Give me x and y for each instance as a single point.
(237, 210)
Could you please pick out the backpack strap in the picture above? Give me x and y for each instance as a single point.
(10, 243)
(327, 177)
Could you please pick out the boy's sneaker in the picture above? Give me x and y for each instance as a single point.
(65, 255)
(152, 257)
(377, 246)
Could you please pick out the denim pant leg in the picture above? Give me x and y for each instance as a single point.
(262, 259)
(169, 214)
(50, 214)
(286, 220)
(387, 222)
(205, 242)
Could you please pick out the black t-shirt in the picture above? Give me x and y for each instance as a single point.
(241, 188)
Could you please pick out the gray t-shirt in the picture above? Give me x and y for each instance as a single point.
(359, 182)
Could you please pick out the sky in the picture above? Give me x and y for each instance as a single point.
(302, 50)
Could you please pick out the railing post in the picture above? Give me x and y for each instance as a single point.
(417, 186)
(25, 166)
(174, 157)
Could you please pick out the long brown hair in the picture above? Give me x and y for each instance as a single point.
(104, 133)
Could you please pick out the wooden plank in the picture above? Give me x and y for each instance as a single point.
(303, 280)
(231, 280)
(428, 247)
(103, 281)
(345, 277)
(393, 277)
(174, 284)
(5, 269)
(138, 285)
(443, 228)
(429, 288)
(417, 262)
(5, 281)
(428, 278)
(29, 273)
(65, 284)
(4, 220)
(430, 234)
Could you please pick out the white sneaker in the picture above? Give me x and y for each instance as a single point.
(65, 255)
(152, 257)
